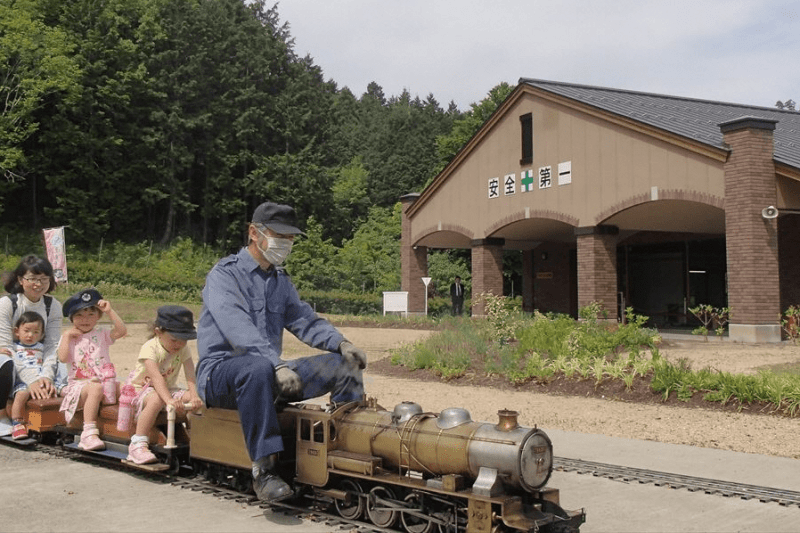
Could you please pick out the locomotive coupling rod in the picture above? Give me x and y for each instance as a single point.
(336, 494)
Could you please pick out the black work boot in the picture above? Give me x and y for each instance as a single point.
(268, 485)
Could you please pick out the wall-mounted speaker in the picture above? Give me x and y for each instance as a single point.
(769, 212)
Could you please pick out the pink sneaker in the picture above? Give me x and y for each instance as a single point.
(19, 431)
(90, 440)
(140, 454)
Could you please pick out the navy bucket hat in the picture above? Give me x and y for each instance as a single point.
(177, 320)
(81, 300)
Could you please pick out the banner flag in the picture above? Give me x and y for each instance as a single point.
(56, 252)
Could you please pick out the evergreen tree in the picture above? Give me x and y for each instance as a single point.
(464, 127)
(37, 69)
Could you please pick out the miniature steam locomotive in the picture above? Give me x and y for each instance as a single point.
(405, 468)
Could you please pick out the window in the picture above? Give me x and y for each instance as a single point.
(526, 126)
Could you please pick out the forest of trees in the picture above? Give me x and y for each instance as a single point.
(148, 120)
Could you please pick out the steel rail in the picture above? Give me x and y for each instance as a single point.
(728, 489)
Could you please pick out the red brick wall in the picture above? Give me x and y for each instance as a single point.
(487, 274)
(413, 263)
(751, 240)
(552, 288)
(597, 271)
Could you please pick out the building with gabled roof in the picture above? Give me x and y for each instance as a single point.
(630, 199)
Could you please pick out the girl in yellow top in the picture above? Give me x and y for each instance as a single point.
(156, 375)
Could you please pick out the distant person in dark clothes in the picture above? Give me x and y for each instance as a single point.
(457, 296)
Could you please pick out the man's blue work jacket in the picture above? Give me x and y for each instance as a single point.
(245, 310)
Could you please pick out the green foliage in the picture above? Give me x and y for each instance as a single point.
(370, 261)
(502, 317)
(343, 302)
(595, 339)
(350, 198)
(448, 353)
(37, 64)
(399, 150)
(547, 335)
(790, 323)
(558, 346)
(444, 266)
(448, 145)
(312, 260)
(711, 318)
(781, 391)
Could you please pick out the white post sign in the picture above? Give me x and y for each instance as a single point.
(426, 280)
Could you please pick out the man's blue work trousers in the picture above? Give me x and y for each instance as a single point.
(245, 383)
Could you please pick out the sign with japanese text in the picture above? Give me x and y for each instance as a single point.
(494, 187)
(56, 252)
(510, 184)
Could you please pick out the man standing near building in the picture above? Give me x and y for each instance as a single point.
(248, 301)
(457, 296)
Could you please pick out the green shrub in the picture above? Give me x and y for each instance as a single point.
(544, 335)
(449, 352)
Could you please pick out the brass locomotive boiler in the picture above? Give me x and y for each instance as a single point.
(450, 443)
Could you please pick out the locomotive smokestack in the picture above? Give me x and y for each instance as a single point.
(508, 420)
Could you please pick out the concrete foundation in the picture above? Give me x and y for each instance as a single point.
(754, 333)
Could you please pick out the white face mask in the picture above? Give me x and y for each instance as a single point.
(277, 249)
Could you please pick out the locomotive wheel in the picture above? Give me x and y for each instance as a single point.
(353, 506)
(377, 510)
(174, 465)
(416, 524)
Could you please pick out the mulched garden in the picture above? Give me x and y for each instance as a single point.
(608, 389)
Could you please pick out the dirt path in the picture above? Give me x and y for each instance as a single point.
(760, 434)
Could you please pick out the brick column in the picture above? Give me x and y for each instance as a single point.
(597, 267)
(751, 240)
(413, 261)
(487, 271)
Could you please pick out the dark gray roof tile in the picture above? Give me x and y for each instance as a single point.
(688, 117)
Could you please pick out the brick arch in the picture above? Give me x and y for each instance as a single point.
(665, 194)
(534, 213)
(443, 227)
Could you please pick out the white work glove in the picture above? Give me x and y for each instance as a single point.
(289, 383)
(355, 357)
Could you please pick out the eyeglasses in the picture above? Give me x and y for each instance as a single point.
(37, 281)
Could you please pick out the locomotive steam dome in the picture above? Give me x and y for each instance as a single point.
(405, 410)
(453, 417)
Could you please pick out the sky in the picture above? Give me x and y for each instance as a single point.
(738, 51)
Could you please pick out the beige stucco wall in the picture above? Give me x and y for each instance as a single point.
(614, 167)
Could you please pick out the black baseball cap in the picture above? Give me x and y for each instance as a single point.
(279, 218)
(177, 320)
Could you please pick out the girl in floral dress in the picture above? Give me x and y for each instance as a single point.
(85, 348)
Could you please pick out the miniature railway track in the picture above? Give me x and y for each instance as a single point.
(317, 512)
(312, 511)
(677, 481)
